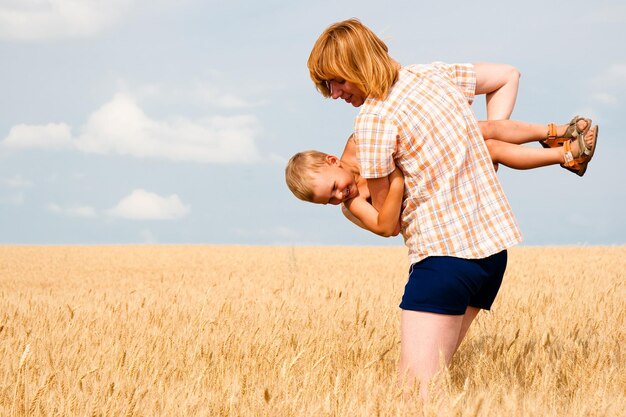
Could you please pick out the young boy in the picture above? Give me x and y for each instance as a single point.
(320, 178)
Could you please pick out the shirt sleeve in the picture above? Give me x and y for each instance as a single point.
(376, 140)
(462, 75)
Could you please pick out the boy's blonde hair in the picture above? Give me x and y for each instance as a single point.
(299, 170)
(350, 51)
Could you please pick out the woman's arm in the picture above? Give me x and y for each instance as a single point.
(386, 221)
(499, 82)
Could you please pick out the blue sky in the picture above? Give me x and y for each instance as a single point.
(171, 121)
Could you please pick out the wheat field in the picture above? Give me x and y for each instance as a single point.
(296, 331)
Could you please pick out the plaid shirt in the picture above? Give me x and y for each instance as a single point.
(453, 202)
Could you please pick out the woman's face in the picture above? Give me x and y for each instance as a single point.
(347, 91)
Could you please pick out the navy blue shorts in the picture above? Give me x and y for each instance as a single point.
(448, 285)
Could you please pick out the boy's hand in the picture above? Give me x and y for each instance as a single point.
(396, 179)
(396, 175)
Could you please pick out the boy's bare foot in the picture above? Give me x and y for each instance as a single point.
(589, 143)
(558, 135)
(584, 147)
(590, 138)
(581, 124)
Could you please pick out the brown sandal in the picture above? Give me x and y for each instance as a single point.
(579, 164)
(572, 132)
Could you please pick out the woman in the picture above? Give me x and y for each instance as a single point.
(456, 221)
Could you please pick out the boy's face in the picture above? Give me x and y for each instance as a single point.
(333, 184)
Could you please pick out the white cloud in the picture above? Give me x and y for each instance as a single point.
(73, 211)
(214, 91)
(15, 199)
(144, 205)
(209, 94)
(615, 75)
(610, 86)
(278, 159)
(605, 14)
(232, 101)
(605, 98)
(50, 136)
(121, 127)
(56, 19)
(16, 181)
(589, 112)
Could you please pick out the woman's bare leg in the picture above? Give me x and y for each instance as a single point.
(468, 318)
(424, 337)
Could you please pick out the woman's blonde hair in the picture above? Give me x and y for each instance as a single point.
(350, 51)
(299, 170)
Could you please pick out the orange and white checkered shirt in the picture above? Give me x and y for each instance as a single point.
(453, 202)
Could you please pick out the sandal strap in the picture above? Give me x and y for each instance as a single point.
(573, 131)
(567, 154)
(552, 140)
(584, 150)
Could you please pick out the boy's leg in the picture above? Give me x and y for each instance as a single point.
(523, 157)
(500, 83)
(517, 132)
(526, 157)
(512, 131)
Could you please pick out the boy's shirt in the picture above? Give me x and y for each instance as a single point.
(454, 204)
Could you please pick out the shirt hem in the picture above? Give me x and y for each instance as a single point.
(420, 257)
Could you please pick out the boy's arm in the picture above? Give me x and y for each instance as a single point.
(379, 187)
(384, 222)
(352, 217)
(499, 82)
